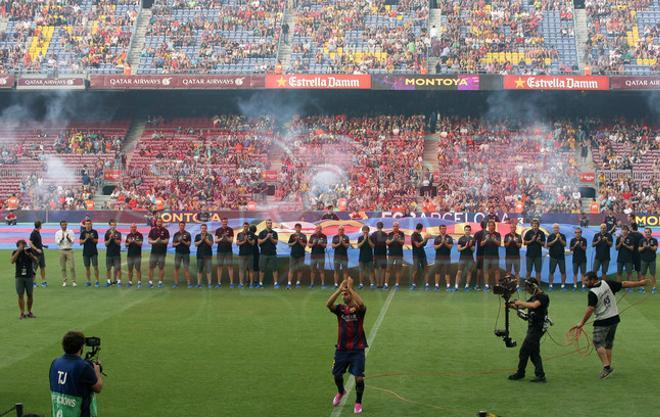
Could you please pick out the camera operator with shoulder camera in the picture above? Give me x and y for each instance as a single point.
(74, 380)
(537, 312)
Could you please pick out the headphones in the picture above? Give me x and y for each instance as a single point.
(532, 283)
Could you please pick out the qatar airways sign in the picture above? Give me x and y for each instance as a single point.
(555, 82)
(178, 82)
(68, 83)
(319, 81)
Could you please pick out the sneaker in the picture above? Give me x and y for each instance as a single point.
(150, 285)
(35, 285)
(311, 285)
(209, 286)
(64, 284)
(336, 285)
(190, 285)
(276, 285)
(396, 286)
(467, 289)
(119, 285)
(88, 284)
(323, 286)
(231, 285)
(129, 285)
(218, 285)
(22, 316)
(139, 284)
(74, 284)
(108, 284)
(413, 287)
(44, 284)
(386, 287)
(540, 379)
(337, 400)
(550, 288)
(516, 376)
(29, 315)
(357, 409)
(360, 286)
(606, 372)
(486, 288)
(241, 285)
(477, 288)
(288, 286)
(174, 285)
(261, 285)
(372, 286)
(574, 288)
(160, 284)
(97, 284)
(427, 287)
(563, 287)
(642, 290)
(653, 291)
(198, 286)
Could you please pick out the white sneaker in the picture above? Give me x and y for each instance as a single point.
(64, 284)
(74, 284)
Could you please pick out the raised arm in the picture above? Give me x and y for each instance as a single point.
(354, 295)
(330, 304)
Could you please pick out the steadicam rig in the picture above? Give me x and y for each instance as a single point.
(506, 288)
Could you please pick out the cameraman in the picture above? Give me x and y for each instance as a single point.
(24, 258)
(537, 307)
(73, 380)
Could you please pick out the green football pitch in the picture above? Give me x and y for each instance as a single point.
(245, 353)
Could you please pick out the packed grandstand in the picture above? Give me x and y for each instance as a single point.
(329, 36)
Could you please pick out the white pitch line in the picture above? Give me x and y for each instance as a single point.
(336, 412)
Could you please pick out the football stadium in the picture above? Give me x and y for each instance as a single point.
(309, 208)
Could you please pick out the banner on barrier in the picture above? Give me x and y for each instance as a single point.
(6, 81)
(425, 82)
(319, 81)
(184, 82)
(635, 83)
(67, 83)
(556, 82)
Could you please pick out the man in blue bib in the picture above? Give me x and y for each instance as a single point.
(74, 381)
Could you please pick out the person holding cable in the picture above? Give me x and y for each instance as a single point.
(537, 313)
(602, 304)
(64, 239)
(74, 381)
(24, 258)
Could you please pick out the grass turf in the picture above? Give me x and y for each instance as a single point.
(220, 352)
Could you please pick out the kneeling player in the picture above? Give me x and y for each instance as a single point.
(351, 341)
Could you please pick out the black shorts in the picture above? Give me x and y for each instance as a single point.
(41, 260)
(91, 260)
(24, 286)
(420, 262)
(604, 336)
(352, 361)
(380, 261)
(480, 262)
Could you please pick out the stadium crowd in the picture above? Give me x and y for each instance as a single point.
(352, 37)
(504, 37)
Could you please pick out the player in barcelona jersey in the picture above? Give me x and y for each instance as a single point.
(351, 341)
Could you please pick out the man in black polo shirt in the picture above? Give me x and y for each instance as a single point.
(624, 261)
(224, 237)
(366, 258)
(113, 255)
(181, 241)
(534, 239)
(134, 241)
(159, 237)
(267, 241)
(395, 241)
(466, 256)
(419, 256)
(556, 244)
(610, 222)
(478, 237)
(340, 244)
(602, 242)
(647, 254)
(442, 264)
(245, 241)
(329, 214)
(637, 238)
(297, 243)
(584, 221)
(318, 242)
(578, 246)
(89, 238)
(37, 245)
(512, 244)
(490, 242)
(204, 244)
(24, 258)
(379, 241)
